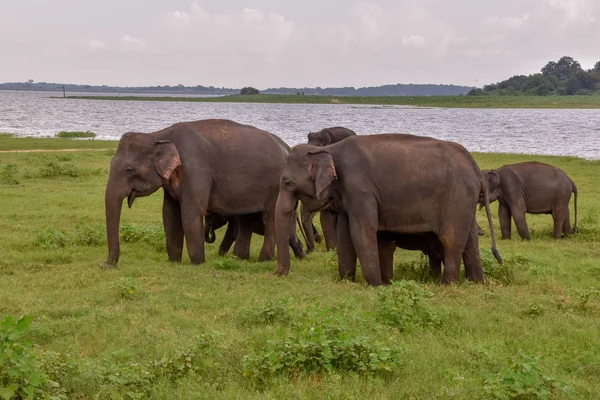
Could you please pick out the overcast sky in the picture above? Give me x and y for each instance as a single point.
(272, 43)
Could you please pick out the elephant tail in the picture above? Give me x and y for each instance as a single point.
(486, 203)
(574, 190)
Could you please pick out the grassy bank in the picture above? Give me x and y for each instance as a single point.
(8, 142)
(151, 329)
(422, 101)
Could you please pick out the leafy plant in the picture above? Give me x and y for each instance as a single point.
(505, 272)
(70, 135)
(53, 170)
(321, 345)
(583, 297)
(127, 288)
(8, 176)
(402, 304)
(270, 313)
(522, 378)
(20, 373)
(227, 263)
(534, 310)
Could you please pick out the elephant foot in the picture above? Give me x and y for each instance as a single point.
(279, 271)
(109, 265)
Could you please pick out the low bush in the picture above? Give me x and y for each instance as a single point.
(403, 305)
(71, 135)
(9, 175)
(523, 378)
(319, 345)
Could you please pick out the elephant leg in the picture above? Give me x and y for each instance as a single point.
(505, 221)
(173, 227)
(471, 257)
(267, 251)
(192, 212)
(521, 224)
(454, 242)
(386, 250)
(345, 251)
(328, 226)
(435, 266)
(318, 237)
(364, 238)
(229, 238)
(295, 242)
(567, 229)
(241, 249)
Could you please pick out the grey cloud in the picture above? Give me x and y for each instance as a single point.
(274, 43)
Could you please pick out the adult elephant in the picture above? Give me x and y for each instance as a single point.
(235, 225)
(328, 219)
(387, 182)
(535, 188)
(212, 165)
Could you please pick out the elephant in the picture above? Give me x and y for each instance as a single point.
(387, 182)
(214, 221)
(428, 243)
(211, 165)
(535, 188)
(328, 219)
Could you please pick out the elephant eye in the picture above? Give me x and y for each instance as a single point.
(130, 171)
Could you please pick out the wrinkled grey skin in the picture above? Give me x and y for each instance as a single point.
(328, 219)
(535, 188)
(253, 222)
(387, 183)
(208, 165)
(428, 243)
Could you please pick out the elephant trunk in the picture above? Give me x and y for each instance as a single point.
(307, 227)
(114, 203)
(486, 203)
(284, 212)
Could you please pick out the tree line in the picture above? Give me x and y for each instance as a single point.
(564, 77)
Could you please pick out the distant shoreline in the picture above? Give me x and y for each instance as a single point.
(530, 102)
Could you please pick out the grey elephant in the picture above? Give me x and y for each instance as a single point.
(388, 183)
(535, 188)
(212, 165)
(328, 219)
(235, 225)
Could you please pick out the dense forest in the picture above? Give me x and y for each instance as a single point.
(564, 77)
(386, 90)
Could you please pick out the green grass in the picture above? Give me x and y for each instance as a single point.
(72, 135)
(151, 328)
(9, 142)
(423, 101)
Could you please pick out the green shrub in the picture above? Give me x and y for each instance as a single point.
(321, 345)
(8, 176)
(90, 236)
(522, 378)
(54, 169)
(505, 272)
(227, 263)
(270, 313)
(70, 135)
(127, 288)
(403, 304)
(20, 374)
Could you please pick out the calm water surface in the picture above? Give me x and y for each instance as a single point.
(552, 132)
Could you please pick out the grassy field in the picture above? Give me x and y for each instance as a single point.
(424, 101)
(225, 330)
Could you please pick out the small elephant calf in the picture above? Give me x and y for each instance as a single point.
(535, 188)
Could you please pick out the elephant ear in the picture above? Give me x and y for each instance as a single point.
(493, 180)
(166, 158)
(322, 171)
(326, 137)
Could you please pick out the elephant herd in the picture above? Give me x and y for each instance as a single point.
(374, 193)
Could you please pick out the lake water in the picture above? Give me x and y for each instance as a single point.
(552, 132)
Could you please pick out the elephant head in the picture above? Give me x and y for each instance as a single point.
(492, 185)
(140, 167)
(329, 136)
(308, 176)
